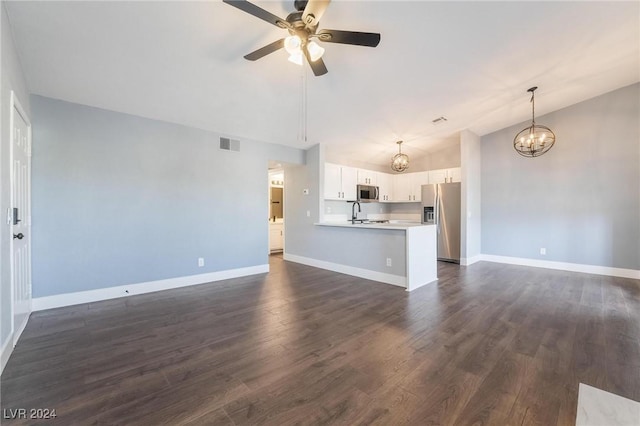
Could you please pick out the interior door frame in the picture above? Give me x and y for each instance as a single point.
(16, 106)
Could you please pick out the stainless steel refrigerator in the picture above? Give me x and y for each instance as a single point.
(441, 206)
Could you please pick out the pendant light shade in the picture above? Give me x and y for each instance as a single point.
(534, 140)
(400, 161)
(315, 51)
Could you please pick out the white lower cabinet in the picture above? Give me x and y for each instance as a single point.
(276, 236)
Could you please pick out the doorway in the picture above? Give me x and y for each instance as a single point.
(276, 208)
(20, 217)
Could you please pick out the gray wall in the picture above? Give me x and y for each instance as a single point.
(12, 79)
(360, 248)
(119, 199)
(581, 200)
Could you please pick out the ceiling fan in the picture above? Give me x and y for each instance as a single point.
(303, 29)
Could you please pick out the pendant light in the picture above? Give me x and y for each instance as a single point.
(400, 161)
(535, 140)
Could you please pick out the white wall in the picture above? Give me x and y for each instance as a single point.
(470, 231)
(12, 79)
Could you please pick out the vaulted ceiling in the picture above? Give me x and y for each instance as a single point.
(471, 62)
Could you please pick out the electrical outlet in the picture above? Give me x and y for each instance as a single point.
(328, 209)
(543, 251)
(200, 262)
(389, 261)
(308, 213)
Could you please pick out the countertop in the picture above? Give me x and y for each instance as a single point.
(391, 225)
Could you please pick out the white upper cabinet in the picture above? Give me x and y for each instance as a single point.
(445, 175)
(401, 190)
(437, 176)
(367, 177)
(340, 182)
(416, 181)
(454, 174)
(385, 186)
(408, 187)
(350, 183)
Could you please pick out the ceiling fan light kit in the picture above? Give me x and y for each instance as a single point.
(400, 161)
(303, 28)
(536, 139)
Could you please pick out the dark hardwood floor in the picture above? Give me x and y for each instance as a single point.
(488, 344)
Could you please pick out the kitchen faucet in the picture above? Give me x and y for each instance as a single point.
(354, 215)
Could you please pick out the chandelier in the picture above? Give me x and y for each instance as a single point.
(535, 140)
(400, 161)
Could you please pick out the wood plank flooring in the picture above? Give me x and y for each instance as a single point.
(488, 344)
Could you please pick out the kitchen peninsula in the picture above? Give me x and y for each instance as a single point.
(407, 250)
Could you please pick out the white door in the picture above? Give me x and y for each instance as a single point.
(20, 217)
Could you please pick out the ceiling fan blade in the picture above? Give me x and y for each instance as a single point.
(258, 12)
(264, 51)
(318, 67)
(349, 37)
(313, 12)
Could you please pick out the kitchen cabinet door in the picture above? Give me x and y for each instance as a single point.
(385, 185)
(367, 177)
(340, 182)
(401, 187)
(349, 183)
(454, 175)
(438, 176)
(416, 181)
(332, 182)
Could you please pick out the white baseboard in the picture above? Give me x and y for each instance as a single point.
(564, 266)
(466, 261)
(68, 299)
(5, 352)
(21, 327)
(349, 270)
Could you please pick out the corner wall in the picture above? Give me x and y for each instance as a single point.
(353, 249)
(580, 200)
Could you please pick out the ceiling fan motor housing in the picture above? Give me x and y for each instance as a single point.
(300, 4)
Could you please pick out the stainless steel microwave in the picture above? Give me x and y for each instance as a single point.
(367, 193)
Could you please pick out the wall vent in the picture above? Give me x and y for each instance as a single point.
(229, 144)
(439, 120)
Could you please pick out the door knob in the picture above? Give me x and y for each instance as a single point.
(18, 236)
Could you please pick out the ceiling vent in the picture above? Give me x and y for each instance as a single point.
(229, 144)
(439, 120)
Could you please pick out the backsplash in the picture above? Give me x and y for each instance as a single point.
(335, 211)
